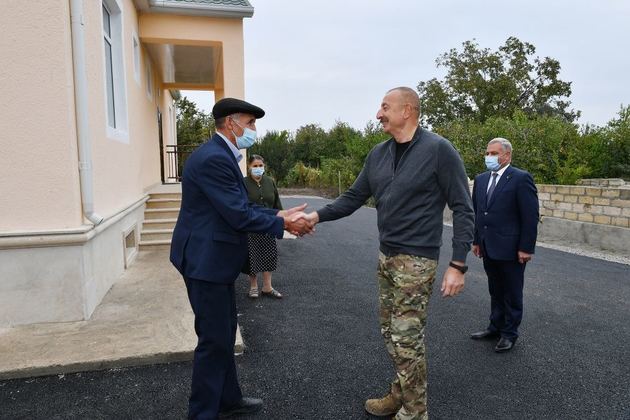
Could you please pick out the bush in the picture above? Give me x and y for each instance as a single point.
(540, 144)
(338, 173)
(303, 176)
(552, 149)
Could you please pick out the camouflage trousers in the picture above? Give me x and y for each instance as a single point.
(405, 285)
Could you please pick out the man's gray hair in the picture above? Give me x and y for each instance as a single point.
(220, 122)
(507, 146)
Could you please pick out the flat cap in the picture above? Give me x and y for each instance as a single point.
(229, 106)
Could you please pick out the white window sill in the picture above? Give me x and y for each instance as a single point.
(118, 135)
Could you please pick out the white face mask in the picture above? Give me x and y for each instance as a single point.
(492, 163)
(258, 171)
(248, 138)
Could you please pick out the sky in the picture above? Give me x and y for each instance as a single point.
(333, 60)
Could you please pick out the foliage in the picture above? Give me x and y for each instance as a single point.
(193, 125)
(303, 176)
(340, 150)
(481, 84)
(276, 148)
(553, 149)
(359, 146)
(309, 144)
(340, 172)
(506, 93)
(539, 145)
(601, 152)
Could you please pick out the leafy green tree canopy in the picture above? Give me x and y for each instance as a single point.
(276, 148)
(193, 125)
(481, 83)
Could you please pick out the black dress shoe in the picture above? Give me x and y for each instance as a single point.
(504, 344)
(245, 406)
(485, 334)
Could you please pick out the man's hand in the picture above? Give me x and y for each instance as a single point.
(292, 210)
(524, 257)
(453, 281)
(476, 249)
(298, 224)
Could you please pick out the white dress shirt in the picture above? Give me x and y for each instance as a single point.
(499, 173)
(234, 149)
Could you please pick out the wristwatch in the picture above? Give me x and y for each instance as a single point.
(462, 268)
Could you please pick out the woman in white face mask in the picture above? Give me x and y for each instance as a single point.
(263, 250)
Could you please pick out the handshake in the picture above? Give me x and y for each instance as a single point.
(297, 222)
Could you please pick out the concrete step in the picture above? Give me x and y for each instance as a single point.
(163, 213)
(159, 224)
(164, 203)
(165, 195)
(148, 235)
(161, 244)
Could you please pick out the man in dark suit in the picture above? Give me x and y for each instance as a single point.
(209, 248)
(506, 225)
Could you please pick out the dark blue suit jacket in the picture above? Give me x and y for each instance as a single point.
(509, 222)
(210, 238)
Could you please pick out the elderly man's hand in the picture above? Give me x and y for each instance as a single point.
(291, 211)
(298, 224)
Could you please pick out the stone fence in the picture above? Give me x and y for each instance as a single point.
(595, 213)
(605, 203)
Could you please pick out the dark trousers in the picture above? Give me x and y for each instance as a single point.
(214, 381)
(505, 283)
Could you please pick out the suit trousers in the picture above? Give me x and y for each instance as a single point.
(214, 380)
(505, 284)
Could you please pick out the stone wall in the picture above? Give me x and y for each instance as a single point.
(595, 213)
(608, 203)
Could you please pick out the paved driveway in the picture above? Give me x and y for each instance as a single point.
(318, 354)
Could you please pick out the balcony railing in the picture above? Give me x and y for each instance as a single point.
(176, 156)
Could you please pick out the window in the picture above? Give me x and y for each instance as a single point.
(109, 69)
(136, 57)
(114, 72)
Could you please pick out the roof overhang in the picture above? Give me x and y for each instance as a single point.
(195, 8)
(191, 67)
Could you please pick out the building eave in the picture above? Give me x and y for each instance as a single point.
(194, 8)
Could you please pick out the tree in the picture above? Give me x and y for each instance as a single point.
(277, 150)
(601, 152)
(193, 125)
(309, 145)
(358, 147)
(337, 140)
(481, 83)
(618, 135)
(541, 144)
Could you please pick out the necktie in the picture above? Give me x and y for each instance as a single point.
(493, 185)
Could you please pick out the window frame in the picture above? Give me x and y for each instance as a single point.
(119, 131)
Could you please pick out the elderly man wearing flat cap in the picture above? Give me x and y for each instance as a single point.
(209, 248)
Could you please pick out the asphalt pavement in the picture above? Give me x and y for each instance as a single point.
(318, 353)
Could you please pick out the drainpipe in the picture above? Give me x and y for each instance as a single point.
(81, 110)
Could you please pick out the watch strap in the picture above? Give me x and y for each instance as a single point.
(461, 268)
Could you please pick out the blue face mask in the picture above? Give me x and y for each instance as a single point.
(258, 171)
(248, 138)
(492, 163)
